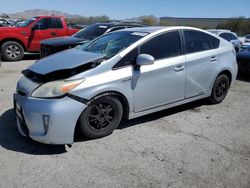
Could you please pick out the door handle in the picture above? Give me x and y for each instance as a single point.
(213, 59)
(53, 34)
(179, 68)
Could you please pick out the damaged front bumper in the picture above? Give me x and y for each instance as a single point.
(50, 121)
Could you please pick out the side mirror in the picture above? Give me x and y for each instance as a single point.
(35, 27)
(144, 59)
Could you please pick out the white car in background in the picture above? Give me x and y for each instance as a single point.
(229, 36)
(246, 42)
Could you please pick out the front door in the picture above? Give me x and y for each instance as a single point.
(164, 81)
(44, 29)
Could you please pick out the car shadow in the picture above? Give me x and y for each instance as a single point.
(192, 106)
(243, 76)
(34, 56)
(10, 138)
(28, 56)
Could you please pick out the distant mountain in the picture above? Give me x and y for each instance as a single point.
(38, 12)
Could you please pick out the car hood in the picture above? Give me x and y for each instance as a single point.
(59, 41)
(63, 65)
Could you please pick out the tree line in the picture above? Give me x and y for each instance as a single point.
(83, 20)
(239, 25)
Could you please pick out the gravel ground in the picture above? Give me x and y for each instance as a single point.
(193, 145)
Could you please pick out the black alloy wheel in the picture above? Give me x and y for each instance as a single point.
(220, 89)
(101, 117)
(12, 51)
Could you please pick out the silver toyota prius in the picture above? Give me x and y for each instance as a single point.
(124, 74)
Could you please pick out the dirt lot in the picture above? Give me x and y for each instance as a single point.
(194, 145)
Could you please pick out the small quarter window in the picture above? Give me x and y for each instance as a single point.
(128, 59)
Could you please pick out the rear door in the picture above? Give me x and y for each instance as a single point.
(164, 81)
(60, 30)
(202, 59)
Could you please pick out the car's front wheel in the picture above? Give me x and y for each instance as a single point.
(101, 117)
(12, 51)
(220, 89)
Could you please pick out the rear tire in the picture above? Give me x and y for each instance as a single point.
(101, 117)
(12, 51)
(220, 89)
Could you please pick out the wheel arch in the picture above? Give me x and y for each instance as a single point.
(121, 98)
(14, 40)
(227, 73)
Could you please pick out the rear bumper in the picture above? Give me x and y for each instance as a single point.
(63, 115)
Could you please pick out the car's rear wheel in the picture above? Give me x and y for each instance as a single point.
(12, 51)
(220, 89)
(101, 117)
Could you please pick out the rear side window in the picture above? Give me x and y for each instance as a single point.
(214, 41)
(197, 41)
(163, 46)
(228, 36)
(58, 23)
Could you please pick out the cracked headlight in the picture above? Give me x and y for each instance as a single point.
(55, 88)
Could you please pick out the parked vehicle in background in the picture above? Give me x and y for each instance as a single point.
(229, 36)
(243, 60)
(55, 45)
(247, 39)
(246, 42)
(26, 37)
(123, 74)
(4, 23)
(76, 26)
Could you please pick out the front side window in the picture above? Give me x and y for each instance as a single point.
(112, 43)
(45, 23)
(163, 46)
(196, 41)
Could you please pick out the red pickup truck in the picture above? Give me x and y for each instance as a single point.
(26, 37)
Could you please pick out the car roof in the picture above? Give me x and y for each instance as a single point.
(153, 29)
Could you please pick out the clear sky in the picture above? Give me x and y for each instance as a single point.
(119, 9)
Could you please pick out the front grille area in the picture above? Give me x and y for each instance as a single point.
(45, 51)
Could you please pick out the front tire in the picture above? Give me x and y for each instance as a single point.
(220, 89)
(12, 51)
(101, 117)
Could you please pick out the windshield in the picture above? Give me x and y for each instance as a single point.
(91, 31)
(112, 43)
(27, 22)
